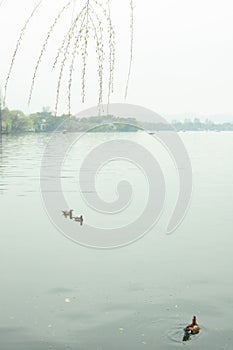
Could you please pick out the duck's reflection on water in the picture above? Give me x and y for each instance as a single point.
(186, 336)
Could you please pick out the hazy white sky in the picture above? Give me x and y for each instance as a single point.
(183, 56)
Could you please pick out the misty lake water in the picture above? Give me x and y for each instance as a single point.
(56, 294)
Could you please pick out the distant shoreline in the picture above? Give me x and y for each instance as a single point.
(16, 122)
(24, 133)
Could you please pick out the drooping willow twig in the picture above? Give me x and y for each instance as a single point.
(90, 22)
(98, 37)
(71, 68)
(100, 55)
(131, 45)
(65, 55)
(68, 36)
(23, 30)
(44, 48)
(111, 54)
(84, 51)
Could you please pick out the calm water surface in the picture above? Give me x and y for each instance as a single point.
(56, 294)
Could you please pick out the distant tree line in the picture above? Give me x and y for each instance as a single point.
(189, 125)
(15, 121)
(197, 125)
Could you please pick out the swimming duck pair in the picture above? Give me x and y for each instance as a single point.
(69, 213)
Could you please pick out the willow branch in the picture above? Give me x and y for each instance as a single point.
(17, 48)
(131, 46)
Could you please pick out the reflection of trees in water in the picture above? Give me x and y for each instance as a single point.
(1, 168)
(0, 115)
(0, 121)
(1, 149)
(1, 161)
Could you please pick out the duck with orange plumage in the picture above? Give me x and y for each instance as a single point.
(192, 328)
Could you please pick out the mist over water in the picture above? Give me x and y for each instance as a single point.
(56, 294)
